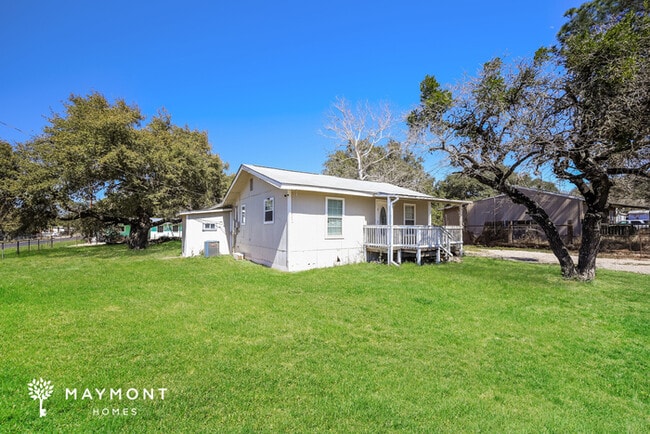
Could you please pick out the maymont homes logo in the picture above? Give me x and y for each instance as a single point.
(41, 389)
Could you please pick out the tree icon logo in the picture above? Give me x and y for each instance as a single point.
(40, 390)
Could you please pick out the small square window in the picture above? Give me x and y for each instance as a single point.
(209, 226)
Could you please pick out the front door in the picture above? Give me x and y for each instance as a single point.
(381, 214)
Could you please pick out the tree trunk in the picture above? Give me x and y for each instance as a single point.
(139, 236)
(590, 246)
(537, 213)
(559, 249)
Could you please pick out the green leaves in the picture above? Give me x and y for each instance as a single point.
(101, 163)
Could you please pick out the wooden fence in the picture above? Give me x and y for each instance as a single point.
(614, 237)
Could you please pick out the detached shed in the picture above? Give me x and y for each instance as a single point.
(211, 224)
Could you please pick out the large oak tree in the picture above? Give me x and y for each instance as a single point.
(96, 161)
(580, 109)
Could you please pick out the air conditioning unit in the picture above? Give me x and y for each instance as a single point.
(211, 248)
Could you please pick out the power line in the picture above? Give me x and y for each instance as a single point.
(11, 127)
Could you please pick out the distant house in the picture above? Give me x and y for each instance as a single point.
(566, 212)
(162, 229)
(297, 221)
(640, 214)
(563, 209)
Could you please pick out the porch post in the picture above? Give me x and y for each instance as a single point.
(390, 203)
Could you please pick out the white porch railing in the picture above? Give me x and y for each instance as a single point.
(413, 237)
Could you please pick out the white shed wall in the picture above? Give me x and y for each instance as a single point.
(194, 236)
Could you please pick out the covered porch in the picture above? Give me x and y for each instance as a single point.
(417, 237)
(440, 242)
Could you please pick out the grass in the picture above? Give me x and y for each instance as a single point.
(482, 345)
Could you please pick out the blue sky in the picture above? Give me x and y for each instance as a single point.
(258, 76)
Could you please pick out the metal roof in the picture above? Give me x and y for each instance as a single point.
(212, 210)
(292, 180)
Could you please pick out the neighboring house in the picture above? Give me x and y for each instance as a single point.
(297, 221)
(160, 229)
(639, 215)
(163, 229)
(564, 210)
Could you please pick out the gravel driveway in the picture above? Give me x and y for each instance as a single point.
(618, 264)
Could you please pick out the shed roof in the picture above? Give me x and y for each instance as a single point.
(215, 209)
(613, 202)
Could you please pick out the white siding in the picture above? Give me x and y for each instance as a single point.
(310, 247)
(264, 243)
(194, 236)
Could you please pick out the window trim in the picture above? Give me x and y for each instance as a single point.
(414, 213)
(327, 217)
(272, 200)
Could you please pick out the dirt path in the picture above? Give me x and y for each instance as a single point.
(618, 264)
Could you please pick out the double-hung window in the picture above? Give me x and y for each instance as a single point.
(269, 207)
(409, 214)
(334, 217)
(243, 214)
(410, 234)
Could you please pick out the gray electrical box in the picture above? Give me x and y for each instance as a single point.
(211, 248)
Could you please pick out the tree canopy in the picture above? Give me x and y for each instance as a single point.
(96, 161)
(8, 187)
(580, 109)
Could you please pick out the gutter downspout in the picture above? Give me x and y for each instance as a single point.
(289, 221)
(231, 235)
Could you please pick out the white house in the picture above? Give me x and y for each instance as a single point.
(297, 221)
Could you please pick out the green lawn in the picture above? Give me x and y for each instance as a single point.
(482, 345)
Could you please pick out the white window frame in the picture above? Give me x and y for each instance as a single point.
(243, 215)
(209, 227)
(272, 200)
(327, 217)
(410, 205)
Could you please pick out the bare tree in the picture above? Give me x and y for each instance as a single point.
(359, 131)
